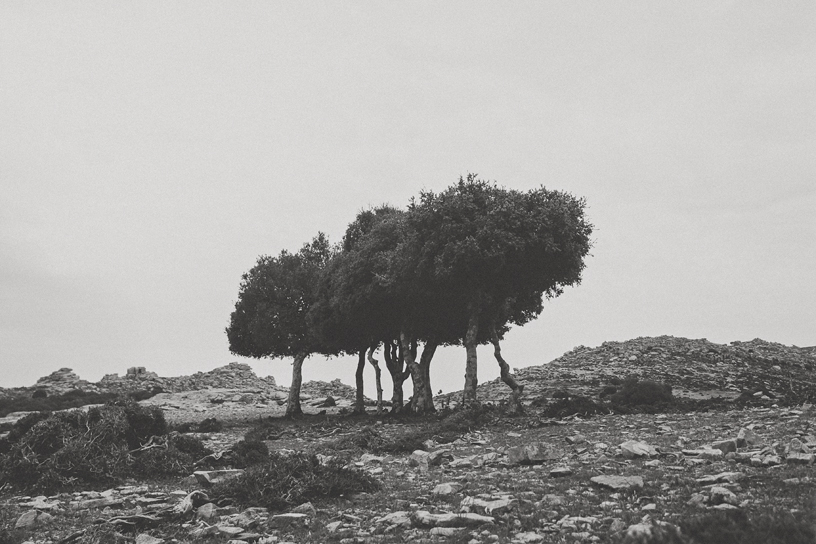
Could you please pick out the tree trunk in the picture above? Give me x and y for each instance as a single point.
(394, 363)
(377, 376)
(420, 401)
(471, 376)
(506, 376)
(293, 404)
(359, 404)
(425, 368)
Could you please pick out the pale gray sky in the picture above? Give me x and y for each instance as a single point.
(150, 151)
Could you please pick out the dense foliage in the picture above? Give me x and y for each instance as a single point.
(459, 267)
(100, 446)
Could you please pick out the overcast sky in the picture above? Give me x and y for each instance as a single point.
(151, 151)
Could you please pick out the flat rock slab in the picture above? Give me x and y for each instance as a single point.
(532, 454)
(210, 477)
(618, 483)
(425, 518)
(730, 477)
(634, 448)
(494, 507)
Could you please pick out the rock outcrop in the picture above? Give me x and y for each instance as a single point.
(693, 368)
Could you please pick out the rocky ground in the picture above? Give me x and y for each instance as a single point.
(744, 449)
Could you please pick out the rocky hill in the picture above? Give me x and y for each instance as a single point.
(695, 368)
(741, 473)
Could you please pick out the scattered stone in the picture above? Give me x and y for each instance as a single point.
(148, 539)
(655, 531)
(720, 495)
(528, 537)
(448, 488)
(559, 472)
(704, 453)
(425, 518)
(30, 519)
(212, 477)
(395, 519)
(634, 448)
(207, 512)
(618, 483)
(725, 446)
(305, 508)
(493, 507)
(368, 458)
(730, 477)
(230, 530)
(532, 454)
(801, 458)
(446, 531)
(280, 521)
(747, 437)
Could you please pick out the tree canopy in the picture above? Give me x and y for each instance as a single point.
(458, 267)
(271, 315)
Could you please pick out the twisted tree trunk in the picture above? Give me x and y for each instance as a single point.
(506, 376)
(377, 376)
(394, 363)
(293, 404)
(420, 400)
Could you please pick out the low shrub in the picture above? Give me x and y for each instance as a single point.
(445, 430)
(210, 425)
(99, 447)
(288, 480)
(263, 429)
(777, 527)
(246, 453)
(144, 394)
(635, 392)
(39, 394)
(70, 399)
(574, 405)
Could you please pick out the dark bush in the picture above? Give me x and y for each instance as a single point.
(143, 422)
(144, 394)
(288, 480)
(24, 424)
(561, 394)
(443, 431)
(189, 445)
(737, 528)
(185, 427)
(635, 392)
(210, 425)
(246, 453)
(574, 405)
(71, 399)
(39, 394)
(608, 390)
(263, 429)
(98, 447)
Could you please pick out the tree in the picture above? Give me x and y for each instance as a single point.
(271, 315)
(356, 310)
(494, 254)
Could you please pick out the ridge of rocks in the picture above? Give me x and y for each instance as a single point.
(695, 368)
(231, 377)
